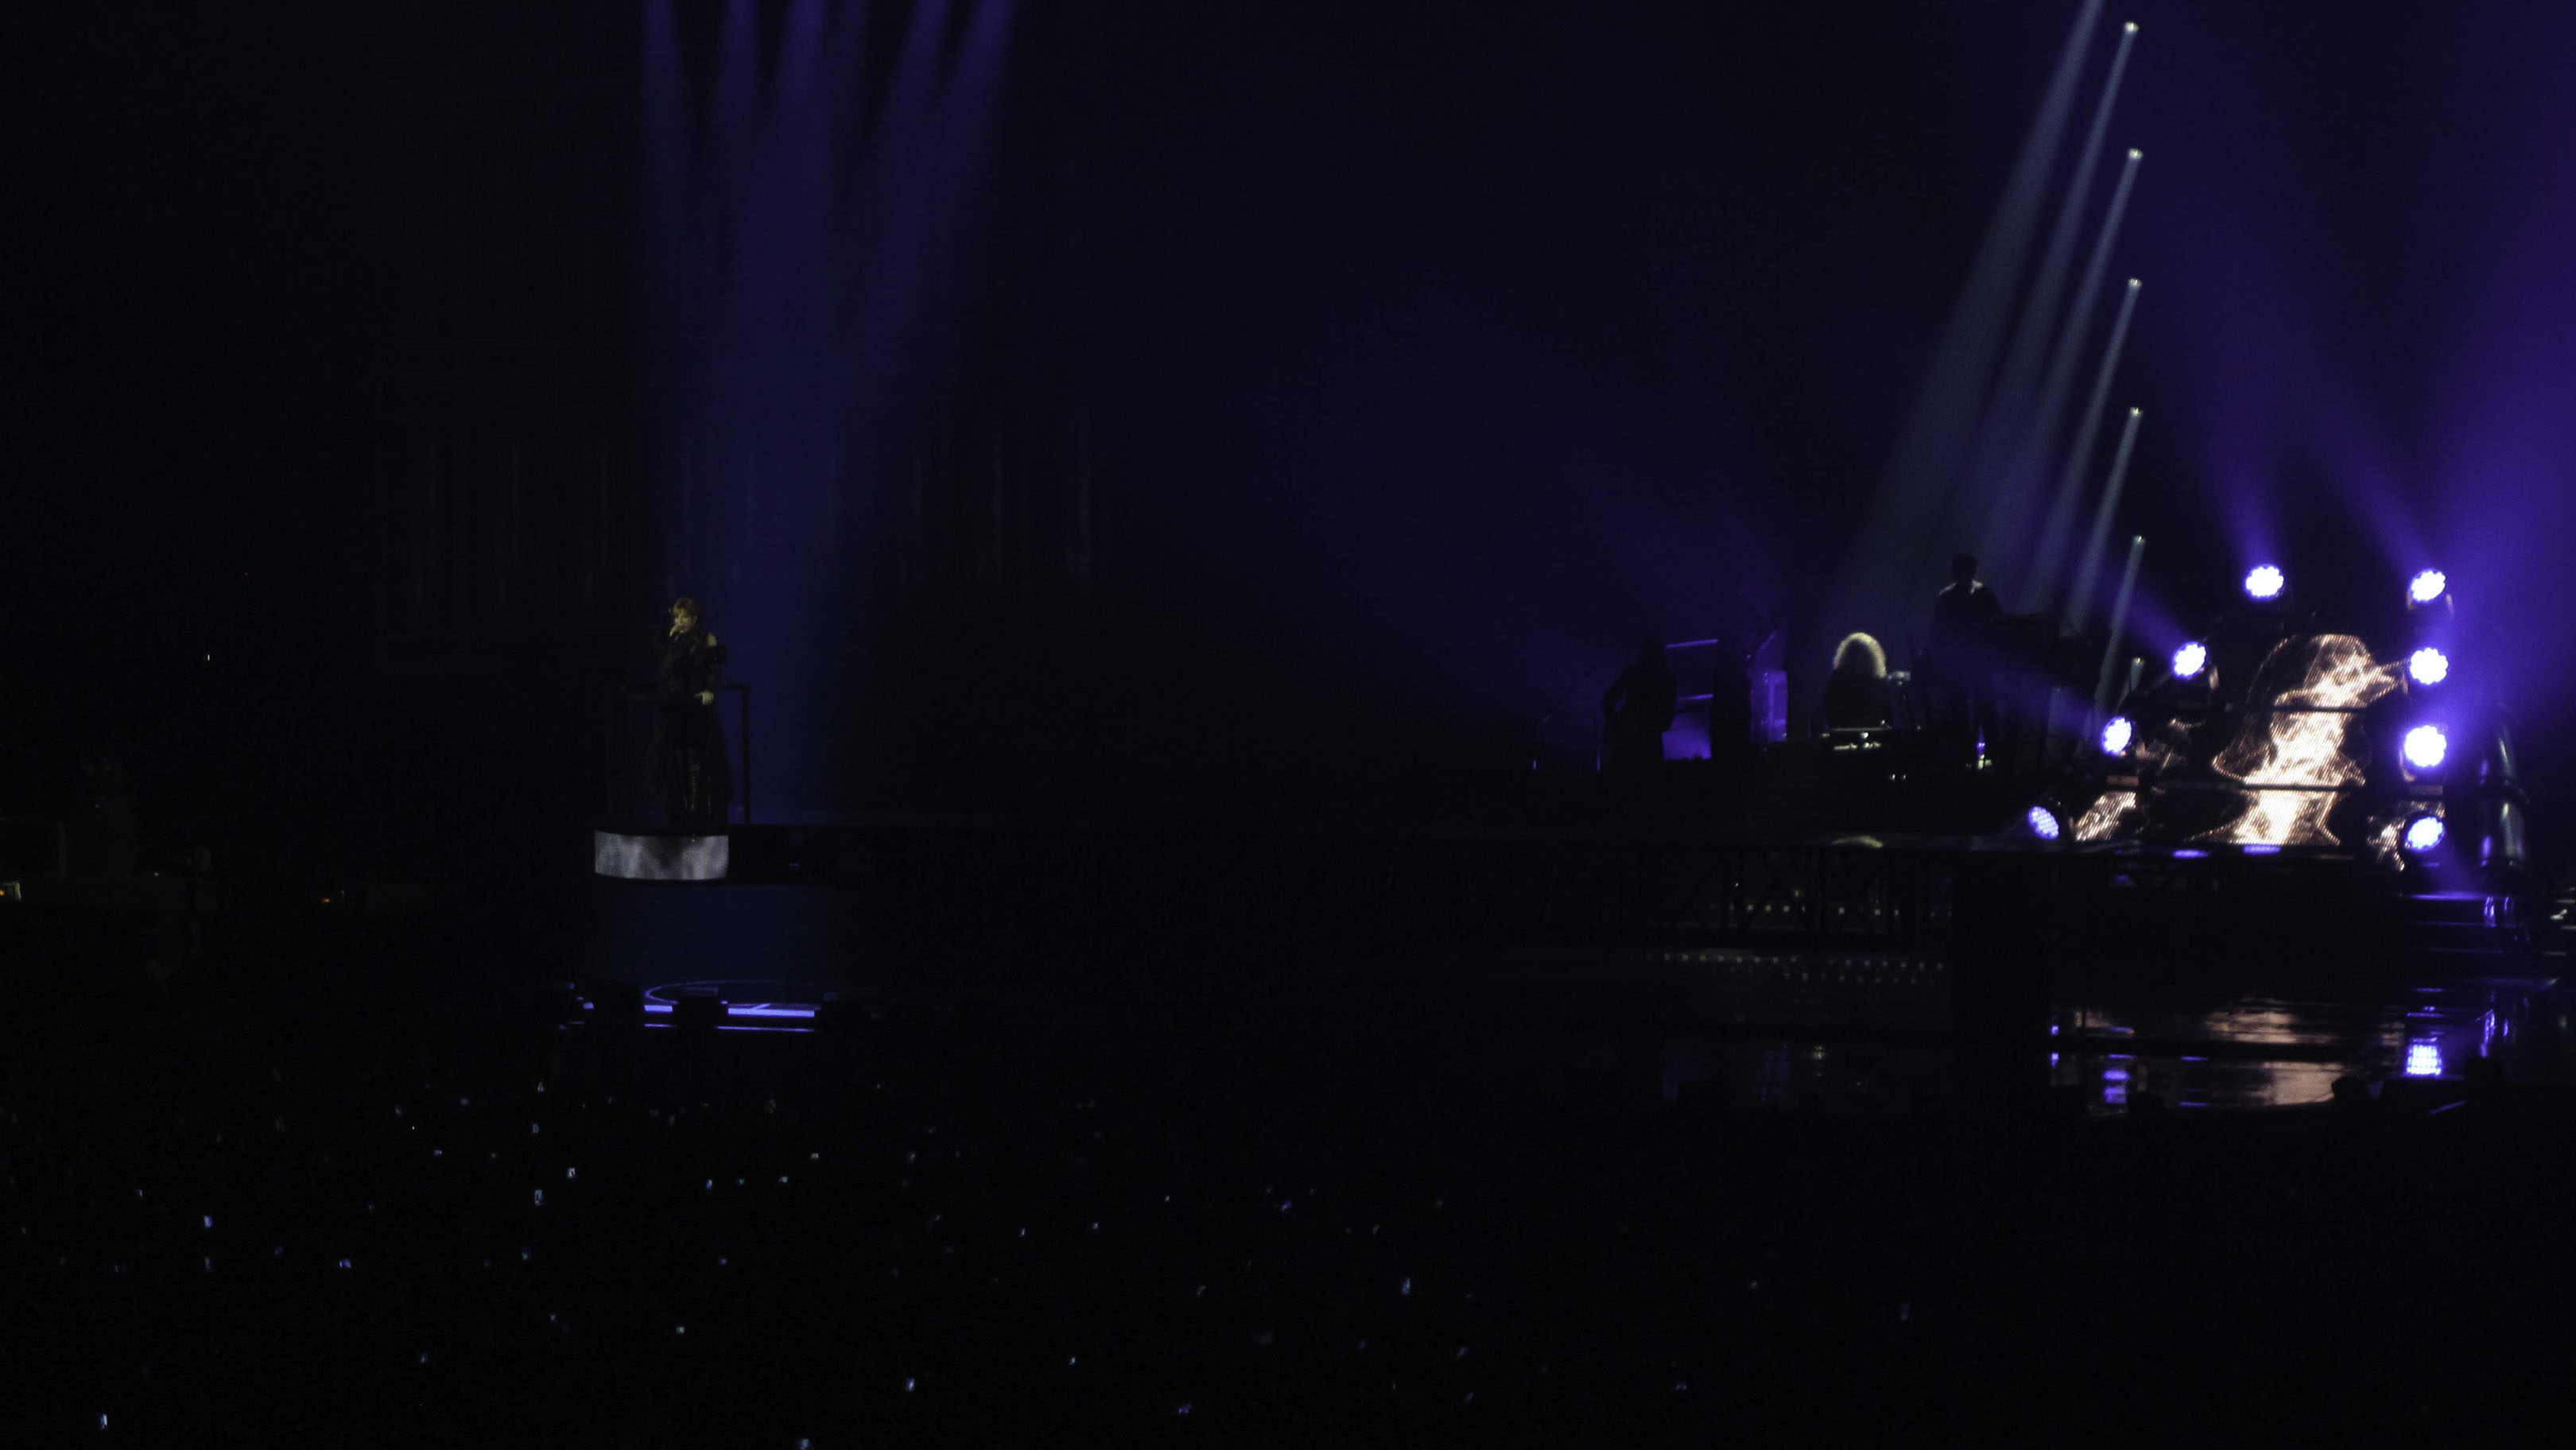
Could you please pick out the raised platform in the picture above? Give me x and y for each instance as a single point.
(1702, 951)
(1495, 893)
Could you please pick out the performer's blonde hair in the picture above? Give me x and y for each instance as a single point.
(1860, 654)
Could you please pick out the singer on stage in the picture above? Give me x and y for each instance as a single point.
(692, 777)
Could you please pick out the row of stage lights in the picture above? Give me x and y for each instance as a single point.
(2424, 746)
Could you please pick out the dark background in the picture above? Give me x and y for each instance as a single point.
(1422, 355)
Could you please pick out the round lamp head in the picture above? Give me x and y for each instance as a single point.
(2264, 582)
(2188, 660)
(2427, 746)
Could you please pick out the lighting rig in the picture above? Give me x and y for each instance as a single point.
(2263, 733)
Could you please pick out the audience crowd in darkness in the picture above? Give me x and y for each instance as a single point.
(371, 1200)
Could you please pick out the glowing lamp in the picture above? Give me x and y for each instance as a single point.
(2427, 746)
(2428, 586)
(2187, 661)
(2423, 833)
(2423, 1059)
(2263, 582)
(2116, 734)
(2428, 666)
(2043, 823)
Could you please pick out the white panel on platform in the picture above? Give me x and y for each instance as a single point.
(660, 858)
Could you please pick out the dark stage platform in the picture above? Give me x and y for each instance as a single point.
(1668, 949)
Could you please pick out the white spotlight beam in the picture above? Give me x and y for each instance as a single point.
(1888, 559)
(2062, 354)
(2043, 576)
(2119, 623)
(2079, 606)
(2011, 442)
(2050, 559)
(2049, 291)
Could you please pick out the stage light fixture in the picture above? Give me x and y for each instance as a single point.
(2428, 666)
(2423, 1059)
(2188, 660)
(2424, 833)
(2427, 586)
(2043, 823)
(2263, 582)
(2427, 746)
(2116, 734)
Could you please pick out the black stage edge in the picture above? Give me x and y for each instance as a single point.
(1636, 936)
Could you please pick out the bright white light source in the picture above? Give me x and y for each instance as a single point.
(2423, 834)
(2263, 581)
(2187, 661)
(2423, 1059)
(2116, 734)
(2428, 666)
(2135, 153)
(2427, 746)
(2428, 586)
(2043, 823)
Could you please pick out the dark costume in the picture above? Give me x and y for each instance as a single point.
(1965, 618)
(692, 775)
(1637, 711)
(1967, 628)
(1730, 701)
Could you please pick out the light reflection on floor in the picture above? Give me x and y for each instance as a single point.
(2257, 1052)
(1889, 1054)
(2253, 1053)
(2262, 1052)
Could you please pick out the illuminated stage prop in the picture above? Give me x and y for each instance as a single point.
(633, 856)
